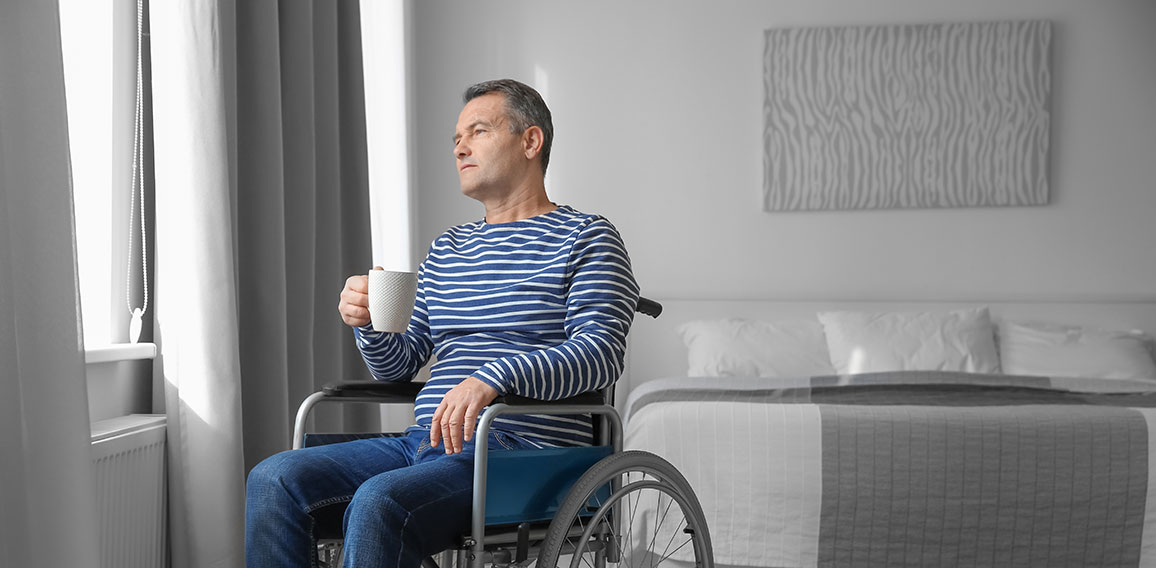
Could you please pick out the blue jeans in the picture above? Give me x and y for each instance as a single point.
(407, 501)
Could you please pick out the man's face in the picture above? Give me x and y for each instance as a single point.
(490, 158)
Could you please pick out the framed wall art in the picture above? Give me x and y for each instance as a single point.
(906, 116)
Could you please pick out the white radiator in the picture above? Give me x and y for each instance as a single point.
(128, 455)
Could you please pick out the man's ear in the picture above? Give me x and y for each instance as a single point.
(532, 140)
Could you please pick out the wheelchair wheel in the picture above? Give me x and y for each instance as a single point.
(630, 509)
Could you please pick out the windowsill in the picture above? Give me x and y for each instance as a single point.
(120, 352)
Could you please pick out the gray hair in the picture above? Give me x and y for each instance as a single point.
(524, 106)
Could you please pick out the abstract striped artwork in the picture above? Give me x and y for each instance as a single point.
(906, 116)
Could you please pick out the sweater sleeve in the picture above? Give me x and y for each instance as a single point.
(600, 304)
(398, 356)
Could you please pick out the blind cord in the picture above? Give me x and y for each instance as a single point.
(137, 189)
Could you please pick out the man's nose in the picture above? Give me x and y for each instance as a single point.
(461, 149)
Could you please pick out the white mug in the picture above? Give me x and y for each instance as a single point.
(391, 298)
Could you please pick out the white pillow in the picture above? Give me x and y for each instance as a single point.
(748, 348)
(1064, 351)
(959, 340)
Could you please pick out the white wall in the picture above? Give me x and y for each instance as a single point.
(658, 115)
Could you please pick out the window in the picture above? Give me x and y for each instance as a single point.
(99, 43)
(384, 51)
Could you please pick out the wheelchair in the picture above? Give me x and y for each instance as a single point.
(594, 506)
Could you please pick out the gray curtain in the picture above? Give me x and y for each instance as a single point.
(302, 211)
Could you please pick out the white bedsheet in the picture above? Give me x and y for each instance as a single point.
(759, 487)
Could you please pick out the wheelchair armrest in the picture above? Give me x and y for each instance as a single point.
(409, 391)
(386, 391)
(353, 391)
(390, 392)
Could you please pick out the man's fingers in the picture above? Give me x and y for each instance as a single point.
(353, 313)
(471, 421)
(456, 418)
(455, 446)
(448, 437)
(355, 297)
(358, 283)
(435, 431)
(354, 304)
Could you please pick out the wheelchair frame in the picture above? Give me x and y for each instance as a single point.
(398, 393)
(473, 550)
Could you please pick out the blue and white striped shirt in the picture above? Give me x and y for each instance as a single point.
(537, 308)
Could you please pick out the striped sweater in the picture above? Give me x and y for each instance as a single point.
(537, 308)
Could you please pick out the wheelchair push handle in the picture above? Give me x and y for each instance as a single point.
(649, 307)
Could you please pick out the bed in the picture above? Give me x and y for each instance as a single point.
(1043, 459)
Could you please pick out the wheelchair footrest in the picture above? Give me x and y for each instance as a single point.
(529, 485)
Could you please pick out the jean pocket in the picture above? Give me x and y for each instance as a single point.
(504, 441)
(514, 441)
(422, 446)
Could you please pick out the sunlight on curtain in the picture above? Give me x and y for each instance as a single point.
(196, 326)
(383, 37)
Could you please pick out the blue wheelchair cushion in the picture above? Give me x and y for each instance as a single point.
(530, 485)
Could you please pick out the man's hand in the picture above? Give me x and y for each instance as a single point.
(354, 304)
(457, 415)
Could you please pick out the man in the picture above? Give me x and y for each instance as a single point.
(535, 300)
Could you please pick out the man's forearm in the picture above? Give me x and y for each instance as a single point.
(392, 356)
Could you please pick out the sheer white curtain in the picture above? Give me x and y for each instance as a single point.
(196, 323)
(46, 485)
